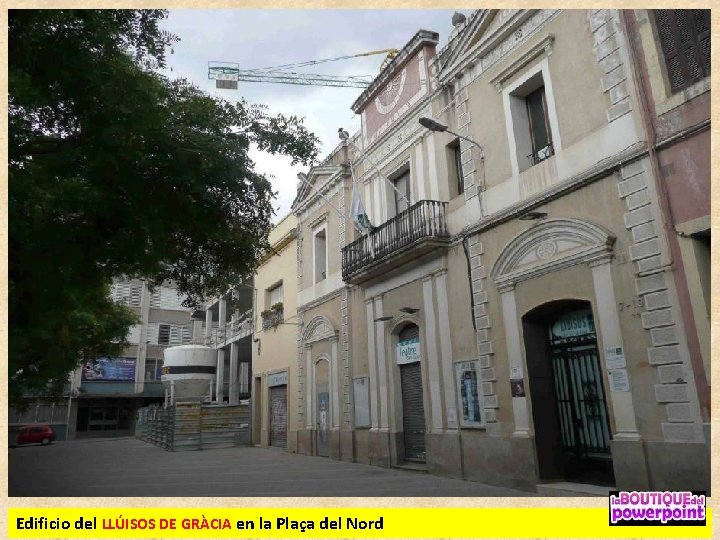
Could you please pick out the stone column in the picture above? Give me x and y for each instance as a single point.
(381, 366)
(233, 387)
(220, 373)
(515, 363)
(446, 364)
(431, 356)
(622, 403)
(372, 366)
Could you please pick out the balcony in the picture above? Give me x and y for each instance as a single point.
(416, 231)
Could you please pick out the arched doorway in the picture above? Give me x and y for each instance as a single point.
(572, 428)
(408, 359)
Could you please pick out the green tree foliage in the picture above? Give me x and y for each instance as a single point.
(115, 171)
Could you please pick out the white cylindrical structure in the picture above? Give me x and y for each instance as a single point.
(188, 371)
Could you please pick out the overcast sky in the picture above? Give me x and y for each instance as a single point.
(262, 38)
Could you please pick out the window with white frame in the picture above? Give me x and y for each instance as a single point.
(531, 118)
(275, 295)
(320, 253)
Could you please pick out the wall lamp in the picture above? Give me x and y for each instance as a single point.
(529, 216)
(409, 310)
(383, 319)
(434, 125)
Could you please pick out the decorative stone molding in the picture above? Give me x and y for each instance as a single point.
(542, 48)
(483, 328)
(318, 329)
(610, 51)
(551, 245)
(345, 358)
(665, 353)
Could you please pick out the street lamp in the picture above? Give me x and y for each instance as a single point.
(434, 125)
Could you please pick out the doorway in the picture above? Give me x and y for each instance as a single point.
(412, 393)
(322, 407)
(572, 428)
(278, 416)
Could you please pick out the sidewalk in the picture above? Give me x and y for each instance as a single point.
(127, 467)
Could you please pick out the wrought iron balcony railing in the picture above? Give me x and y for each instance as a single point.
(423, 220)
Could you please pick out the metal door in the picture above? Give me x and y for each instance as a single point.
(278, 416)
(413, 412)
(581, 406)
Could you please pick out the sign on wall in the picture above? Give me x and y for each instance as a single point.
(467, 378)
(408, 351)
(576, 323)
(277, 379)
(361, 392)
(120, 368)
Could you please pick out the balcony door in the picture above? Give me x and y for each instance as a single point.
(402, 186)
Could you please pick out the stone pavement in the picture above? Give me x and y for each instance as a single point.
(131, 468)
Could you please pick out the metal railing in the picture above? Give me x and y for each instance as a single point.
(424, 219)
(241, 327)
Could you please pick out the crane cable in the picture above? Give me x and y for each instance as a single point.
(391, 53)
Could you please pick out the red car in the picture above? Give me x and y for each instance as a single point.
(42, 433)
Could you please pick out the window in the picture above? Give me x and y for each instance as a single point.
(274, 295)
(164, 334)
(685, 40)
(401, 193)
(533, 125)
(457, 182)
(538, 125)
(320, 258)
(153, 369)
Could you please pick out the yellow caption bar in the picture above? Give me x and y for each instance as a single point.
(330, 523)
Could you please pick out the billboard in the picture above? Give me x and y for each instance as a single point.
(119, 368)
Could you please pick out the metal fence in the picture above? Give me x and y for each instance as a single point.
(193, 425)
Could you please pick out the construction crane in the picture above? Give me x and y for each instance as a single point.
(227, 74)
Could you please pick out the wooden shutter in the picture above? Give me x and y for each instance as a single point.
(685, 41)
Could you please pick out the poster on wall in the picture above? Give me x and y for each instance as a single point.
(467, 377)
(119, 368)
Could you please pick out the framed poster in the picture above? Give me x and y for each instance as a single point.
(361, 391)
(467, 380)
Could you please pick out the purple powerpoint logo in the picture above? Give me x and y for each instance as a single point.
(657, 508)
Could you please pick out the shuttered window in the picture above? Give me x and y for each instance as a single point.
(685, 39)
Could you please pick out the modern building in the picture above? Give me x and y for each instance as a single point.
(274, 349)
(229, 329)
(529, 305)
(105, 393)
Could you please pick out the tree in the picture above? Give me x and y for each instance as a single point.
(115, 171)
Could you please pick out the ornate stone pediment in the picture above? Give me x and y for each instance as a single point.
(551, 245)
(318, 328)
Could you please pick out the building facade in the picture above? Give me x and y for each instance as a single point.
(274, 349)
(105, 393)
(525, 310)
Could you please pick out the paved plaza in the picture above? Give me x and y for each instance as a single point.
(131, 468)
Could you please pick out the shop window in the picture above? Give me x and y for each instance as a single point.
(684, 36)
